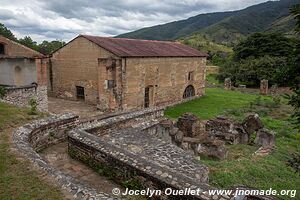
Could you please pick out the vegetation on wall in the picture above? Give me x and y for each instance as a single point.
(2, 92)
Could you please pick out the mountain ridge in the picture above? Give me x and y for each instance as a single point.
(224, 27)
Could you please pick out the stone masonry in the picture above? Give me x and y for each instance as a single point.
(20, 96)
(264, 87)
(115, 82)
(227, 84)
(133, 144)
(126, 144)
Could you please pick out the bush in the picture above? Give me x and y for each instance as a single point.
(251, 70)
(263, 56)
(294, 162)
(2, 92)
(33, 106)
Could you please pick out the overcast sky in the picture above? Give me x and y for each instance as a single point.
(64, 19)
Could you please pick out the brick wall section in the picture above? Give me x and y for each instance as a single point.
(77, 65)
(41, 71)
(168, 76)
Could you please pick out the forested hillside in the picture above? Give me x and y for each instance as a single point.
(225, 27)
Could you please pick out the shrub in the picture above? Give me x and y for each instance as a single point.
(2, 92)
(251, 70)
(294, 162)
(33, 106)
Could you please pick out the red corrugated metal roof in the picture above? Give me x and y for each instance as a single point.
(123, 47)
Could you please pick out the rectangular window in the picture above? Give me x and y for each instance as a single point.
(191, 76)
(111, 84)
(2, 49)
(80, 92)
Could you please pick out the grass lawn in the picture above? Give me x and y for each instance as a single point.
(17, 179)
(241, 167)
(215, 101)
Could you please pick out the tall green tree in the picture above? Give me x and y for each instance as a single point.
(294, 69)
(7, 33)
(261, 56)
(48, 47)
(264, 44)
(295, 11)
(28, 42)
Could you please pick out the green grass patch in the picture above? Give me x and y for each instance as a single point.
(211, 79)
(215, 101)
(17, 179)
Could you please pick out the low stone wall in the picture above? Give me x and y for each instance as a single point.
(130, 119)
(20, 96)
(41, 133)
(95, 152)
(212, 69)
(123, 144)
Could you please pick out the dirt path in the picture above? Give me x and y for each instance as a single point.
(79, 108)
(58, 157)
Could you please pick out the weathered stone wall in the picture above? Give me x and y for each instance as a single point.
(19, 71)
(116, 123)
(76, 65)
(41, 133)
(83, 63)
(167, 76)
(212, 69)
(123, 143)
(20, 96)
(91, 149)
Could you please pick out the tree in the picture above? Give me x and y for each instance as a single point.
(262, 44)
(251, 70)
(295, 11)
(261, 56)
(28, 42)
(48, 47)
(294, 70)
(7, 33)
(45, 47)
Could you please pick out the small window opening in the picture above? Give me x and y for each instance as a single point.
(80, 92)
(147, 97)
(191, 76)
(111, 84)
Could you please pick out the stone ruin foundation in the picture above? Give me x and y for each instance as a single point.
(227, 84)
(208, 138)
(142, 145)
(264, 87)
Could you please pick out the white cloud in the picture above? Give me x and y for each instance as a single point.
(64, 19)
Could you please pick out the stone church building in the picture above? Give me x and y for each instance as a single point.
(123, 74)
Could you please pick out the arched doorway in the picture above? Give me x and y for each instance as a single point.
(189, 92)
(18, 76)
